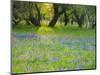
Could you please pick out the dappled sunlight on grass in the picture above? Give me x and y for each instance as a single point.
(45, 30)
(69, 30)
(52, 49)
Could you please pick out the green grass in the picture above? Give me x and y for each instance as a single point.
(70, 30)
(75, 31)
(47, 53)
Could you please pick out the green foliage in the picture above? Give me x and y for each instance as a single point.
(46, 53)
(51, 48)
(22, 11)
(79, 9)
(47, 9)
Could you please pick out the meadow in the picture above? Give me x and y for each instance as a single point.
(52, 49)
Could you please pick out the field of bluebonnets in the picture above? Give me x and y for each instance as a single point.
(52, 48)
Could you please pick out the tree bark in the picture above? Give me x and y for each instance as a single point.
(55, 16)
(65, 18)
(35, 21)
(38, 11)
(79, 19)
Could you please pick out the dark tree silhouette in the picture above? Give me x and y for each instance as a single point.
(57, 13)
(35, 21)
(55, 16)
(79, 18)
(66, 20)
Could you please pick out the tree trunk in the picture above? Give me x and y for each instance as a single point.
(34, 21)
(53, 21)
(55, 16)
(66, 18)
(38, 11)
(79, 19)
(87, 18)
